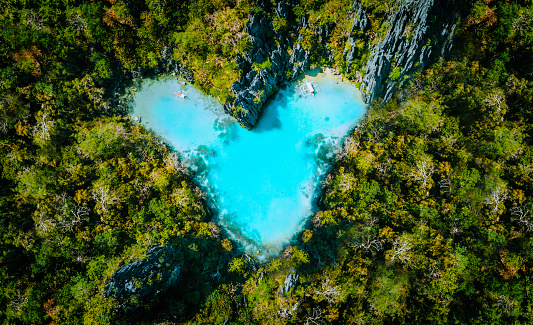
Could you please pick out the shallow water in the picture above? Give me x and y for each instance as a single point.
(261, 181)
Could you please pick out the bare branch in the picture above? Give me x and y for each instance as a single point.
(401, 248)
(314, 316)
(35, 20)
(445, 185)
(368, 242)
(104, 197)
(505, 304)
(44, 127)
(422, 172)
(181, 197)
(496, 197)
(383, 168)
(349, 148)
(495, 98)
(18, 302)
(43, 224)
(78, 22)
(328, 290)
(521, 214)
(174, 163)
(434, 271)
(4, 127)
(521, 23)
(346, 182)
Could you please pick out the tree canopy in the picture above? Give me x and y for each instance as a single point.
(425, 217)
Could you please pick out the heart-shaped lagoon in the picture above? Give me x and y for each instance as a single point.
(262, 181)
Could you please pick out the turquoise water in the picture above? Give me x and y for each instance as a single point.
(261, 182)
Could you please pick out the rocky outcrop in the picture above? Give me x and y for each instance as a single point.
(360, 23)
(418, 32)
(290, 282)
(264, 67)
(143, 280)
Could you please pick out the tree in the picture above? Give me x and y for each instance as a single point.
(422, 116)
(422, 171)
(346, 182)
(367, 241)
(400, 250)
(329, 290)
(44, 128)
(103, 196)
(496, 99)
(506, 143)
(314, 316)
(175, 164)
(521, 214)
(104, 140)
(496, 196)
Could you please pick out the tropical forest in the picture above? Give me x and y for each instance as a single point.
(419, 208)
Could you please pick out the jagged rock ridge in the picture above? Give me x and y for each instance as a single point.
(257, 84)
(418, 32)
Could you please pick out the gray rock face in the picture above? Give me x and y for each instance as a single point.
(144, 280)
(361, 23)
(256, 85)
(419, 30)
(282, 10)
(299, 61)
(167, 64)
(290, 282)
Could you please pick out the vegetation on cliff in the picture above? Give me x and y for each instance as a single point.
(426, 216)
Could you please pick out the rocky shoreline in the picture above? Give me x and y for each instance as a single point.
(419, 32)
(256, 85)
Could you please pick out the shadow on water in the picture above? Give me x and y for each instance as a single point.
(269, 118)
(312, 73)
(269, 121)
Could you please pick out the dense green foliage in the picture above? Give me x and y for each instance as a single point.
(429, 205)
(426, 216)
(83, 192)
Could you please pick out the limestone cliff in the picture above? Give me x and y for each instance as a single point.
(419, 31)
(264, 67)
